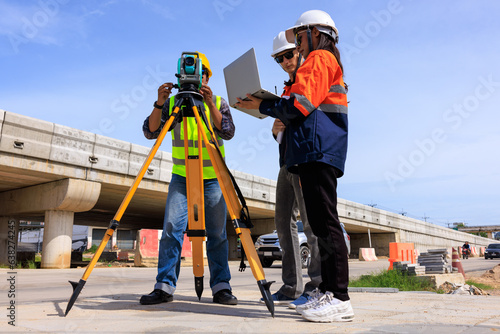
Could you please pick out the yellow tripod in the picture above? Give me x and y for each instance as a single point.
(193, 103)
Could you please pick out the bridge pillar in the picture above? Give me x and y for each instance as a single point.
(59, 200)
(57, 234)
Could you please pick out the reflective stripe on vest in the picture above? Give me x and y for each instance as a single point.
(179, 167)
(332, 104)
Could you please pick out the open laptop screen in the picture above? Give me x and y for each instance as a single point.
(242, 77)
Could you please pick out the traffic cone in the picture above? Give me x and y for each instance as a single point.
(455, 261)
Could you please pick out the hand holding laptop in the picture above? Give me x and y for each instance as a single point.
(250, 102)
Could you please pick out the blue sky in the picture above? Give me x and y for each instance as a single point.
(424, 85)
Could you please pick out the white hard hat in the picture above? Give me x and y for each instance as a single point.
(280, 44)
(314, 18)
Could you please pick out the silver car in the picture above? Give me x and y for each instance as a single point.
(268, 246)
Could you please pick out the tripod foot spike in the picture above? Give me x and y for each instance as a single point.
(266, 294)
(198, 286)
(77, 288)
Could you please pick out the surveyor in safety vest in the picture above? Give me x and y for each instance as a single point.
(315, 116)
(175, 220)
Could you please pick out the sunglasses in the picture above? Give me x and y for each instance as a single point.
(204, 71)
(279, 59)
(298, 39)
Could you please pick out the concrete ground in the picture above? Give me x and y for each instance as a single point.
(110, 303)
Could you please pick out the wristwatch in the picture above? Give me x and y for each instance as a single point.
(157, 106)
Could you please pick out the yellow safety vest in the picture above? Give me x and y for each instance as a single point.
(178, 142)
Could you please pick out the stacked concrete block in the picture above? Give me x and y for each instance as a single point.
(412, 269)
(435, 261)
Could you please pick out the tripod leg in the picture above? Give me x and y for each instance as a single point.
(234, 208)
(77, 287)
(196, 207)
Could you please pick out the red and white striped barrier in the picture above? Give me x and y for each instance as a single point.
(473, 252)
(367, 254)
(455, 262)
(481, 251)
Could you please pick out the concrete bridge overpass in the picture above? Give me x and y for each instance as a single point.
(65, 176)
(489, 230)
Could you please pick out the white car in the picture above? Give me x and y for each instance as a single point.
(268, 246)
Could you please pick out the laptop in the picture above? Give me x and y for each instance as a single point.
(242, 78)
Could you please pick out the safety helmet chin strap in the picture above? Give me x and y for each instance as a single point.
(297, 67)
(309, 39)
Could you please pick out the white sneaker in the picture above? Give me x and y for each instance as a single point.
(328, 309)
(316, 294)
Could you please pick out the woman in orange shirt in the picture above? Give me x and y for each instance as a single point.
(315, 116)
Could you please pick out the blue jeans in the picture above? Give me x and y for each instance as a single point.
(174, 225)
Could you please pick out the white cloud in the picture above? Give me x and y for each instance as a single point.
(47, 22)
(160, 9)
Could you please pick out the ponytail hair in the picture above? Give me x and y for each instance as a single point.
(326, 42)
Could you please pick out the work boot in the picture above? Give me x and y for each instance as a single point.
(156, 297)
(225, 297)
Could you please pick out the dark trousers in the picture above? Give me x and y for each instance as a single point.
(319, 187)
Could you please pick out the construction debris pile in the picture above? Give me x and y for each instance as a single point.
(461, 289)
(435, 262)
(409, 268)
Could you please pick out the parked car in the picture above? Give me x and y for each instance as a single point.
(493, 250)
(269, 250)
(79, 245)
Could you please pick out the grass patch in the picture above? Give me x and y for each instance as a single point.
(391, 279)
(92, 249)
(23, 265)
(28, 264)
(481, 286)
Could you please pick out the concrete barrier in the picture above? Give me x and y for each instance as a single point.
(481, 251)
(456, 262)
(473, 251)
(367, 254)
(399, 251)
(146, 252)
(122, 256)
